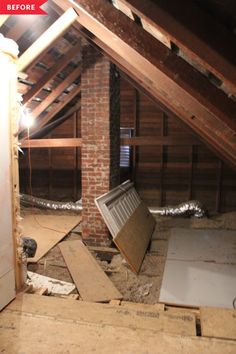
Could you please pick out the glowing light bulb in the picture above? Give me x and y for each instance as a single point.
(26, 119)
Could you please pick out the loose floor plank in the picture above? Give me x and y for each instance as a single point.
(91, 282)
(218, 323)
(47, 230)
(135, 235)
(30, 315)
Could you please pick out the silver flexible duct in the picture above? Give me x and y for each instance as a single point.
(28, 200)
(191, 208)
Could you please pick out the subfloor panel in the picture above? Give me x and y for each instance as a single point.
(200, 268)
(39, 324)
(202, 245)
(198, 284)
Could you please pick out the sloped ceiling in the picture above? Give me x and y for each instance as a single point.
(209, 110)
(181, 55)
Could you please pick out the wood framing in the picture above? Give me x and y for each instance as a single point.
(186, 36)
(48, 116)
(164, 75)
(46, 39)
(11, 274)
(56, 92)
(159, 141)
(45, 79)
(57, 121)
(135, 141)
(51, 143)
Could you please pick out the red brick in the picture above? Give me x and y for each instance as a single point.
(100, 133)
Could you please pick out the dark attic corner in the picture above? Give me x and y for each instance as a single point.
(118, 184)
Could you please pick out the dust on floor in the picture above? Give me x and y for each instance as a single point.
(144, 287)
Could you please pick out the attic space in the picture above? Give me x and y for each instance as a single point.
(118, 176)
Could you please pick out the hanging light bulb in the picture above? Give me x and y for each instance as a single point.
(25, 118)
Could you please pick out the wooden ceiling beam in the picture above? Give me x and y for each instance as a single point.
(160, 141)
(47, 38)
(45, 79)
(52, 113)
(207, 110)
(135, 141)
(51, 143)
(199, 47)
(56, 92)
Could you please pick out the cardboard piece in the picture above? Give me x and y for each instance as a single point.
(47, 230)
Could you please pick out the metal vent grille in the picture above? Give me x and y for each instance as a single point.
(125, 150)
(118, 205)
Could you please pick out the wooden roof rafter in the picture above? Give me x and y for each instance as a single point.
(159, 16)
(46, 39)
(57, 121)
(52, 113)
(56, 92)
(207, 110)
(48, 76)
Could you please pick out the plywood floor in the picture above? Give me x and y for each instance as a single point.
(40, 324)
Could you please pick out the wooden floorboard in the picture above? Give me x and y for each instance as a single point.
(219, 323)
(40, 324)
(92, 283)
(106, 314)
(135, 235)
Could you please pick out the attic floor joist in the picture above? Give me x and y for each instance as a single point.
(162, 73)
